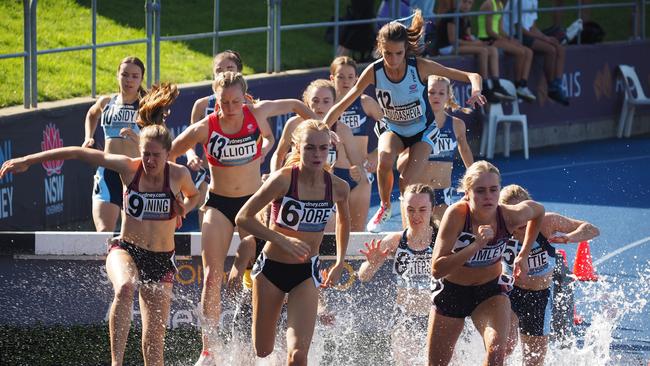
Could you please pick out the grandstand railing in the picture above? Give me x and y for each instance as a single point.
(273, 30)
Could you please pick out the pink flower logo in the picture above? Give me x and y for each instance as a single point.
(52, 140)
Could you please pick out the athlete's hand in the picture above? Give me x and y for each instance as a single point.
(264, 177)
(485, 234)
(520, 267)
(89, 142)
(333, 275)
(357, 173)
(17, 165)
(234, 284)
(476, 98)
(371, 164)
(129, 134)
(335, 139)
(296, 247)
(559, 238)
(179, 206)
(195, 163)
(374, 253)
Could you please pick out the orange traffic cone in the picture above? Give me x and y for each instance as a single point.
(577, 319)
(583, 269)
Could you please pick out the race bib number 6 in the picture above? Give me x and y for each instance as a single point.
(291, 213)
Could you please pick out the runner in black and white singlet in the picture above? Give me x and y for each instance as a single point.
(142, 257)
(361, 117)
(303, 196)
(400, 83)
(228, 60)
(411, 265)
(447, 137)
(236, 139)
(473, 239)
(117, 116)
(531, 298)
(344, 155)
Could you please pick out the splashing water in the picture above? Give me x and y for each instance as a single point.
(361, 332)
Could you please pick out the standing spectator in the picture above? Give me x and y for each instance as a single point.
(553, 52)
(491, 31)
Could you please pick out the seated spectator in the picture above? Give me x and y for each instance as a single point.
(490, 30)
(487, 56)
(358, 37)
(553, 52)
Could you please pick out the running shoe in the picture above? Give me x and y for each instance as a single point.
(524, 93)
(206, 359)
(378, 219)
(557, 94)
(490, 96)
(502, 93)
(572, 31)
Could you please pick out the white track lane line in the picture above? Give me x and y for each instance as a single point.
(553, 167)
(621, 250)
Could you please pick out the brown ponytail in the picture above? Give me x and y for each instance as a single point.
(155, 103)
(397, 32)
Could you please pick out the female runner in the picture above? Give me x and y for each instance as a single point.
(400, 83)
(117, 115)
(474, 236)
(448, 136)
(235, 140)
(224, 61)
(531, 299)
(344, 156)
(143, 257)
(411, 265)
(303, 196)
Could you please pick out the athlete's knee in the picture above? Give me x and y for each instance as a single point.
(213, 275)
(297, 357)
(408, 176)
(125, 291)
(386, 161)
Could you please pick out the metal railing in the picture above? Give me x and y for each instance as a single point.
(273, 30)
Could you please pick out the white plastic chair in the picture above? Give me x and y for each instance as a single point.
(633, 96)
(496, 116)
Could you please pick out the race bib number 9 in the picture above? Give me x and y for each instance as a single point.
(135, 205)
